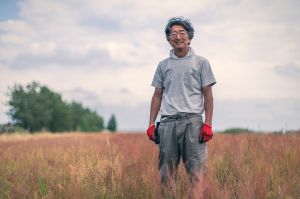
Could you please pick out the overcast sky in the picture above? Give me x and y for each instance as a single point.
(104, 54)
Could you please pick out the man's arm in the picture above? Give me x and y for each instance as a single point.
(155, 105)
(208, 104)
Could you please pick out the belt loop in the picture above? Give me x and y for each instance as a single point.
(189, 117)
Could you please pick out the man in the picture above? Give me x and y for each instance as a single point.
(182, 93)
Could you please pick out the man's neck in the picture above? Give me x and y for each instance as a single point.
(181, 52)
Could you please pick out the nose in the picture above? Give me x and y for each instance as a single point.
(178, 36)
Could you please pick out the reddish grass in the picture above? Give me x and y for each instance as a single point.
(125, 166)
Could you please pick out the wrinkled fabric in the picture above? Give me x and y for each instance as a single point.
(179, 139)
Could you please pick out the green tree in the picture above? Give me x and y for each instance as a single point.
(112, 123)
(83, 119)
(26, 109)
(37, 108)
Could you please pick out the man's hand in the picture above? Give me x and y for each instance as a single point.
(150, 132)
(206, 133)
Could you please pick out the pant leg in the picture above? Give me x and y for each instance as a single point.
(168, 157)
(194, 154)
(194, 157)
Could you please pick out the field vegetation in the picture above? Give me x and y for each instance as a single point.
(124, 165)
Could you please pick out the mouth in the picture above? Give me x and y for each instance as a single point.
(178, 42)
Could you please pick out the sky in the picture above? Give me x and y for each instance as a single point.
(103, 54)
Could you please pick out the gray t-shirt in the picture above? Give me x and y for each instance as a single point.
(182, 80)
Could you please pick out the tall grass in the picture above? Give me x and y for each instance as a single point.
(125, 166)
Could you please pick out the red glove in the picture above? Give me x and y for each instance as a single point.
(150, 132)
(206, 133)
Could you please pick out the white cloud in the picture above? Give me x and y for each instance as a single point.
(289, 70)
(37, 57)
(257, 114)
(110, 49)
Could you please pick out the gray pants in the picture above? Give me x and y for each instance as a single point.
(179, 138)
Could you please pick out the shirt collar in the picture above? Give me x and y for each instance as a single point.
(188, 55)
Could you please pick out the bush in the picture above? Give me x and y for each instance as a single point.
(237, 130)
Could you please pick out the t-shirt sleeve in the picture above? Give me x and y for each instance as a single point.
(157, 81)
(207, 76)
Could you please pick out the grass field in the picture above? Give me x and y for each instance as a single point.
(74, 165)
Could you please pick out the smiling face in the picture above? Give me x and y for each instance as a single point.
(179, 38)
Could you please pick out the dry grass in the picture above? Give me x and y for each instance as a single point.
(125, 166)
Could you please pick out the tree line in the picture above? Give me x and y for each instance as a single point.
(36, 108)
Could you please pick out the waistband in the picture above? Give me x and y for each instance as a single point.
(179, 116)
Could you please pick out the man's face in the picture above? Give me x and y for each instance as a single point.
(179, 38)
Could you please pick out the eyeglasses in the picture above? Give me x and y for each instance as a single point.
(181, 33)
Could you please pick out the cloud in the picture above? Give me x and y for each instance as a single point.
(80, 95)
(129, 117)
(257, 114)
(64, 57)
(104, 54)
(97, 98)
(101, 23)
(289, 70)
(269, 30)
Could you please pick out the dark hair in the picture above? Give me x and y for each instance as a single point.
(179, 21)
